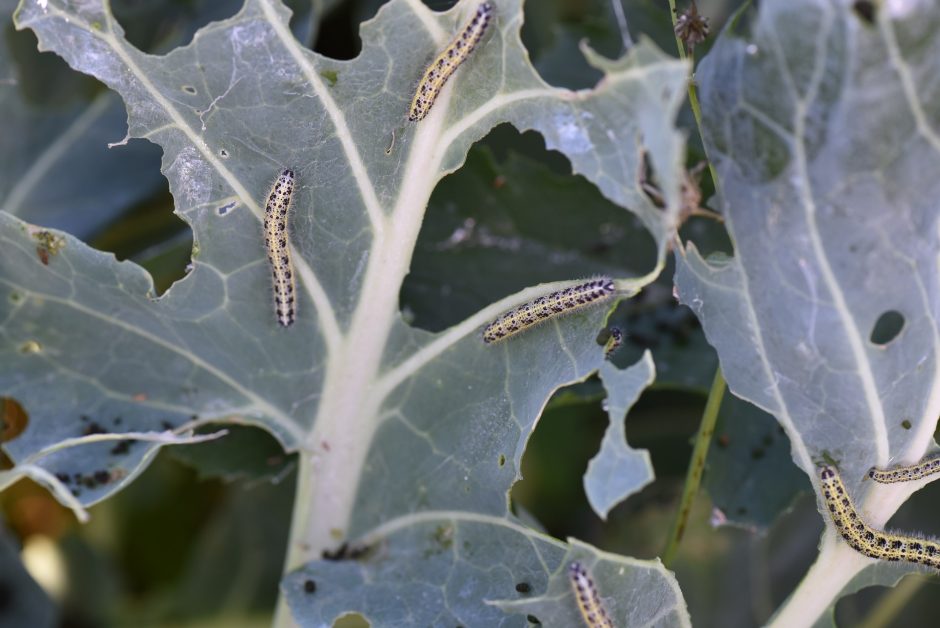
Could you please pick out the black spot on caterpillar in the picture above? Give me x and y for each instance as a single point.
(927, 466)
(277, 244)
(441, 69)
(555, 304)
(589, 602)
(865, 539)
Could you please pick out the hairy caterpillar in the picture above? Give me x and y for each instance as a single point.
(589, 602)
(862, 537)
(613, 342)
(927, 466)
(277, 243)
(441, 69)
(555, 304)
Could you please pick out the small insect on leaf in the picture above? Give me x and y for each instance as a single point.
(48, 244)
(614, 342)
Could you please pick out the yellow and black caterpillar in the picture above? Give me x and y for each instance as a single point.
(441, 69)
(277, 244)
(862, 537)
(907, 473)
(551, 305)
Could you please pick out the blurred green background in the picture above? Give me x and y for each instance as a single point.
(199, 538)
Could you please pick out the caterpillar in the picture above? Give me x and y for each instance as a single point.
(613, 342)
(441, 69)
(865, 539)
(277, 243)
(927, 466)
(555, 304)
(589, 602)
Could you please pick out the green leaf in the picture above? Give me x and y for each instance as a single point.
(435, 571)
(750, 475)
(398, 429)
(823, 129)
(618, 471)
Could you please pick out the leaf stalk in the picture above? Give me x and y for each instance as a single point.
(693, 476)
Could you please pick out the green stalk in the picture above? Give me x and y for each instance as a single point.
(710, 416)
(696, 466)
(693, 94)
(892, 602)
(673, 14)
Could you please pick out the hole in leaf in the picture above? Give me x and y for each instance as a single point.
(152, 236)
(552, 32)
(865, 11)
(13, 419)
(338, 35)
(887, 327)
(160, 26)
(518, 217)
(566, 437)
(45, 79)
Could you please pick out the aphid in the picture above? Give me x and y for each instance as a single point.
(555, 304)
(862, 537)
(277, 243)
(927, 466)
(589, 602)
(441, 69)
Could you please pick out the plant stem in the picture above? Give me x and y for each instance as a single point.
(693, 93)
(696, 466)
(674, 15)
(892, 602)
(715, 395)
